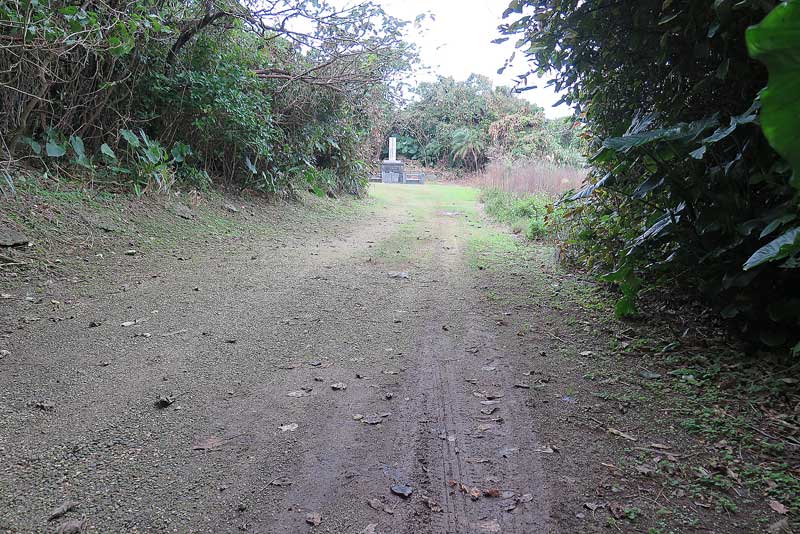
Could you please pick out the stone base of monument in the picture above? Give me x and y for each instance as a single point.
(392, 172)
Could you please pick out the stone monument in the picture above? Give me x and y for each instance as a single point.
(391, 169)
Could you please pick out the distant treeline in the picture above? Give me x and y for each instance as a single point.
(464, 124)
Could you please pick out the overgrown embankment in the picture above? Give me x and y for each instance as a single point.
(143, 96)
(69, 232)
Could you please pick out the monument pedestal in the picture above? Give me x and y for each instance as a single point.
(392, 172)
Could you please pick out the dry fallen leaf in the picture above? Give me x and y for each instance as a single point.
(314, 519)
(492, 492)
(62, 510)
(207, 444)
(473, 492)
(621, 434)
(778, 507)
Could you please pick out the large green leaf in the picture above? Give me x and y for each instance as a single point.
(776, 43)
(77, 145)
(55, 150)
(130, 137)
(108, 152)
(36, 147)
(678, 132)
(777, 249)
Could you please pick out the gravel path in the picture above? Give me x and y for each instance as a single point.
(253, 345)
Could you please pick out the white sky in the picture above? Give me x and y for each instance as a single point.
(458, 43)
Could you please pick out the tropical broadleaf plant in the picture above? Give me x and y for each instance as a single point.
(776, 42)
(468, 147)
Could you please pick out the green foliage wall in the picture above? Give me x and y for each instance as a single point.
(685, 188)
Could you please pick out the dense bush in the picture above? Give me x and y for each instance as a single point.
(256, 104)
(685, 187)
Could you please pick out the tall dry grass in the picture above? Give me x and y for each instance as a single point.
(529, 177)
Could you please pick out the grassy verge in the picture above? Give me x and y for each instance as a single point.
(531, 215)
(724, 424)
(72, 228)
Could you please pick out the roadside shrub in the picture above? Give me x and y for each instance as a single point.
(466, 124)
(536, 229)
(530, 215)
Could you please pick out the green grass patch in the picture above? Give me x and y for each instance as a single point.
(526, 214)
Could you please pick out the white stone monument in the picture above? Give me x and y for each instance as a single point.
(392, 169)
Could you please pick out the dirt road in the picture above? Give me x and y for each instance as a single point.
(401, 374)
(253, 351)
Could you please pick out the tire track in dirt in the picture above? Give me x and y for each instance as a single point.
(455, 372)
